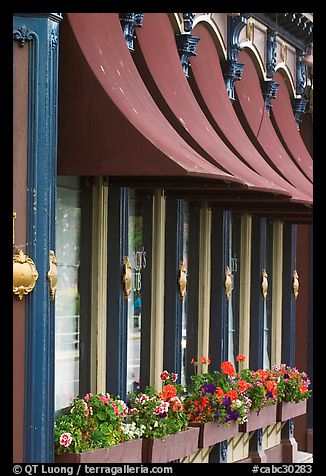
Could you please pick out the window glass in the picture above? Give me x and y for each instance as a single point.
(268, 300)
(185, 300)
(67, 301)
(137, 257)
(233, 302)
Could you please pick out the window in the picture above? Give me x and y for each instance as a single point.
(234, 224)
(67, 302)
(185, 300)
(137, 257)
(268, 300)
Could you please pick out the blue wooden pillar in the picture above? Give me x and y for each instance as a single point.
(218, 333)
(258, 263)
(174, 239)
(39, 32)
(117, 312)
(288, 327)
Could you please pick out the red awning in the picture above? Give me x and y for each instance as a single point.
(258, 124)
(108, 122)
(209, 87)
(287, 129)
(160, 66)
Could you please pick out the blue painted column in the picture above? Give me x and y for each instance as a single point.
(258, 263)
(174, 239)
(39, 32)
(288, 327)
(218, 333)
(117, 310)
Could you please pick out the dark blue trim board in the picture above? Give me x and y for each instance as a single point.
(41, 32)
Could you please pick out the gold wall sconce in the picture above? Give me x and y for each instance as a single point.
(24, 274)
(53, 274)
(182, 280)
(24, 270)
(127, 277)
(228, 283)
(264, 283)
(295, 284)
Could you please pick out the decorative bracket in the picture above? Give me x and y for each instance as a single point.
(295, 284)
(301, 73)
(23, 35)
(264, 283)
(53, 274)
(232, 70)
(24, 274)
(186, 45)
(128, 22)
(182, 280)
(228, 283)
(127, 277)
(188, 19)
(299, 106)
(271, 53)
(269, 89)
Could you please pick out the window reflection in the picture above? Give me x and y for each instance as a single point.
(233, 302)
(185, 300)
(137, 257)
(67, 302)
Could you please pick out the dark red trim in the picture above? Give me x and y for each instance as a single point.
(287, 129)
(261, 129)
(108, 122)
(163, 74)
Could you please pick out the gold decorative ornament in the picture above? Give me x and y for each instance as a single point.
(264, 283)
(127, 277)
(295, 284)
(182, 280)
(53, 274)
(228, 283)
(24, 274)
(250, 31)
(284, 52)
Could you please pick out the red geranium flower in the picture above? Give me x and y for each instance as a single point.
(228, 369)
(240, 358)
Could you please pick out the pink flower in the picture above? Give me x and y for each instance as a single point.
(174, 377)
(144, 398)
(133, 410)
(164, 375)
(104, 399)
(65, 439)
(86, 398)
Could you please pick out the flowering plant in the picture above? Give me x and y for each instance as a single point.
(160, 413)
(214, 396)
(292, 385)
(94, 421)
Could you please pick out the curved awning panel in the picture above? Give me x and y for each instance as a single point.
(161, 69)
(108, 122)
(261, 129)
(288, 130)
(209, 87)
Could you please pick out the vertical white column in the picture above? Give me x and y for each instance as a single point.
(99, 286)
(245, 273)
(204, 290)
(157, 309)
(276, 350)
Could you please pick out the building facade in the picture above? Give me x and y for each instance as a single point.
(157, 157)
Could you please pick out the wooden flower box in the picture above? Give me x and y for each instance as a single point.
(266, 416)
(287, 410)
(126, 452)
(213, 432)
(174, 447)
